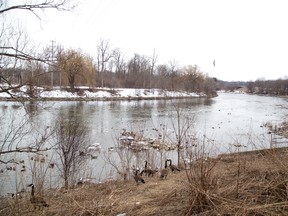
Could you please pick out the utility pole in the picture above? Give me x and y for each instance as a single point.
(52, 41)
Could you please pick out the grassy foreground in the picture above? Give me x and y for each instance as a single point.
(251, 183)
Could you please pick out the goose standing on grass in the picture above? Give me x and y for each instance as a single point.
(164, 172)
(35, 200)
(138, 178)
(148, 171)
(173, 167)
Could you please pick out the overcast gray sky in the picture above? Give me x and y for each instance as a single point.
(247, 38)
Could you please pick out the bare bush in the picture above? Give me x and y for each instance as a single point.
(182, 125)
(71, 139)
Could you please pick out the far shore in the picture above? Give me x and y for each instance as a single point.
(24, 99)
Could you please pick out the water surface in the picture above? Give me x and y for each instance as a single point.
(223, 124)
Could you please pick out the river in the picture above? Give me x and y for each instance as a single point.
(227, 123)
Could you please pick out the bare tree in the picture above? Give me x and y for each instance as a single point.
(182, 123)
(72, 138)
(138, 71)
(35, 8)
(192, 78)
(13, 43)
(152, 68)
(209, 86)
(104, 54)
(162, 72)
(173, 72)
(120, 67)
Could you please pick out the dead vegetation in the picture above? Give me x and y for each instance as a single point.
(254, 183)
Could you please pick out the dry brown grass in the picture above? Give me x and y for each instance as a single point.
(236, 184)
(155, 197)
(251, 183)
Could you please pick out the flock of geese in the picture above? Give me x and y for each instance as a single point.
(138, 177)
(39, 202)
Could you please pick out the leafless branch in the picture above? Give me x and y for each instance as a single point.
(26, 150)
(19, 54)
(44, 5)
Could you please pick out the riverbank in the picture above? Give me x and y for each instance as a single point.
(246, 184)
(94, 94)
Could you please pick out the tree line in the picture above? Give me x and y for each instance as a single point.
(262, 86)
(110, 68)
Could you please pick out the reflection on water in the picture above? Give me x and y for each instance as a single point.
(225, 122)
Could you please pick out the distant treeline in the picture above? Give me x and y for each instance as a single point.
(73, 68)
(277, 87)
(110, 68)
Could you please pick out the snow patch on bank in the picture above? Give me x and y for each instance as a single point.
(40, 92)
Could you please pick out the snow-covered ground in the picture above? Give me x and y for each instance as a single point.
(99, 93)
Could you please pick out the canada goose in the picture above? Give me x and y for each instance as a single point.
(173, 167)
(148, 172)
(18, 195)
(51, 165)
(35, 200)
(138, 178)
(82, 153)
(94, 157)
(164, 172)
(23, 169)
